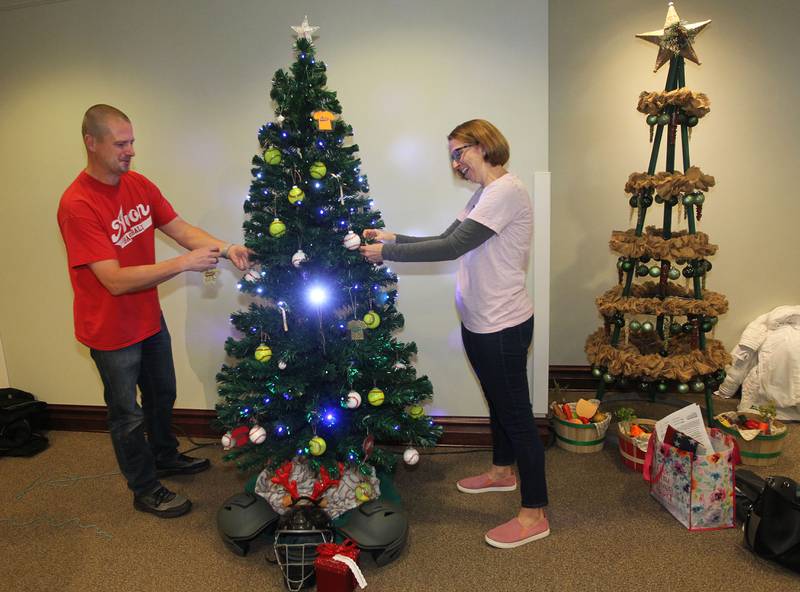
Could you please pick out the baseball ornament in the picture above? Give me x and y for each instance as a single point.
(257, 434)
(416, 411)
(363, 492)
(372, 319)
(227, 441)
(353, 400)
(351, 241)
(282, 365)
(411, 456)
(375, 397)
(399, 366)
(252, 275)
(317, 170)
(317, 446)
(277, 228)
(296, 195)
(299, 258)
(263, 353)
(272, 156)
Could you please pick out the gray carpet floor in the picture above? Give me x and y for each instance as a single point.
(67, 523)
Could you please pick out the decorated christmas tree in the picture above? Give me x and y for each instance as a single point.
(655, 331)
(320, 379)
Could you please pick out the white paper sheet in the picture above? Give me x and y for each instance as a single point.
(688, 420)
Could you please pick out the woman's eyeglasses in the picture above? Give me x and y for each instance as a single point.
(455, 155)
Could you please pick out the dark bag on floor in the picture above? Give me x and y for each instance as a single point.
(748, 489)
(20, 414)
(772, 529)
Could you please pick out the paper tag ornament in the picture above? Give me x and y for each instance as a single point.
(368, 446)
(210, 276)
(356, 328)
(323, 119)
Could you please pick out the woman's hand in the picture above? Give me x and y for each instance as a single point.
(240, 256)
(377, 234)
(372, 253)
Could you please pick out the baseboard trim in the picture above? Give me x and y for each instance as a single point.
(458, 431)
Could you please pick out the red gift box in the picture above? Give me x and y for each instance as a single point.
(334, 575)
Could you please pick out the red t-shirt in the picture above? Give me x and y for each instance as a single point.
(100, 222)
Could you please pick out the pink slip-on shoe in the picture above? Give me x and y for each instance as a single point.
(484, 483)
(513, 534)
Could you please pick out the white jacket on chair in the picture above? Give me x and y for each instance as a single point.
(766, 363)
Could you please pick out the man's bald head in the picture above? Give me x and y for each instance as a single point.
(95, 120)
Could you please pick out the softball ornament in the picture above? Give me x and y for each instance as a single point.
(410, 456)
(399, 366)
(277, 228)
(317, 446)
(299, 258)
(372, 319)
(363, 492)
(263, 353)
(351, 241)
(272, 156)
(415, 412)
(296, 195)
(257, 434)
(376, 397)
(282, 365)
(353, 400)
(252, 275)
(317, 170)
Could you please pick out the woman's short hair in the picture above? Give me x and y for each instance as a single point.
(480, 131)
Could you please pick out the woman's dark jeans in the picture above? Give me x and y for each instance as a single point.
(149, 365)
(500, 362)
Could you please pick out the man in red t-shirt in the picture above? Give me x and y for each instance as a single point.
(108, 217)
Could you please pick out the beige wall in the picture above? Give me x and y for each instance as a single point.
(750, 142)
(194, 75)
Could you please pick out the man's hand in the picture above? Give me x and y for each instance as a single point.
(372, 253)
(378, 235)
(201, 259)
(240, 256)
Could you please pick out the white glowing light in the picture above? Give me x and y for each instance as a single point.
(318, 295)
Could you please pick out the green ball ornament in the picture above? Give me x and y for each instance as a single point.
(655, 271)
(698, 386)
(263, 353)
(707, 326)
(692, 121)
(627, 265)
(688, 327)
(661, 387)
(596, 372)
(645, 258)
(372, 319)
(699, 198)
(415, 412)
(674, 273)
(635, 326)
(642, 270)
(663, 119)
(277, 228)
(683, 388)
(675, 328)
(296, 195)
(317, 170)
(608, 378)
(659, 199)
(272, 156)
(317, 446)
(647, 327)
(376, 397)
(634, 202)
(713, 320)
(688, 199)
(652, 119)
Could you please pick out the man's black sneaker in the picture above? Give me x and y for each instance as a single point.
(163, 503)
(181, 465)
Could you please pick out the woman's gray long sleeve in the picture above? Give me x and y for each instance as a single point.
(459, 238)
(404, 238)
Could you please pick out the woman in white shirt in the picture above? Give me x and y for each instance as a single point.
(491, 238)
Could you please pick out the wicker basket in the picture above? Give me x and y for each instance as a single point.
(632, 456)
(762, 450)
(579, 437)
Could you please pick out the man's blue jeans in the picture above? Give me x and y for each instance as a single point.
(500, 363)
(149, 365)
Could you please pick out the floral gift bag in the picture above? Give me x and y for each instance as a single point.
(698, 489)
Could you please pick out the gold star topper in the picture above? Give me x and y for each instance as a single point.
(675, 38)
(305, 30)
